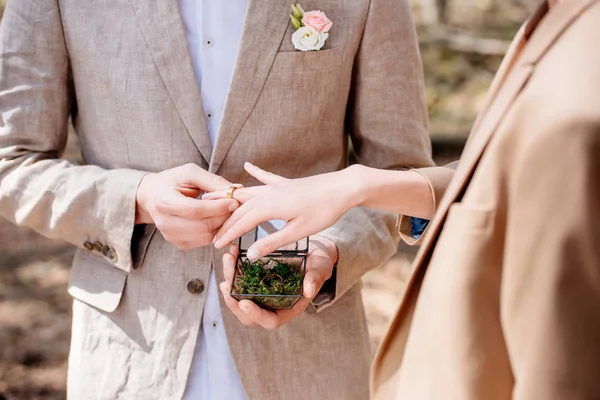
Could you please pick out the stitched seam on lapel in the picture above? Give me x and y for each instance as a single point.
(232, 125)
(202, 142)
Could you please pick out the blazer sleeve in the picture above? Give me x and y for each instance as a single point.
(550, 301)
(387, 121)
(438, 179)
(79, 204)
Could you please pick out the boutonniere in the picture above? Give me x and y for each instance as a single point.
(312, 29)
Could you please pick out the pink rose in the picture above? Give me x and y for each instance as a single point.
(317, 20)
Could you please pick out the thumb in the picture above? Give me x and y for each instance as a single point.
(318, 270)
(203, 179)
(313, 281)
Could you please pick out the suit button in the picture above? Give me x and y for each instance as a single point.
(112, 255)
(88, 246)
(99, 247)
(195, 286)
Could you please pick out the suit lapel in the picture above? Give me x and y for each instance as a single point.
(264, 28)
(162, 26)
(505, 67)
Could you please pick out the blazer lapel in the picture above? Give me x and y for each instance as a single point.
(162, 26)
(266, 23)
(508, 62)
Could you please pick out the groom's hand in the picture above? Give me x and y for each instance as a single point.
(169, 200)
(319, 268)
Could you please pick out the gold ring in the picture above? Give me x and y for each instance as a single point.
(230, 191)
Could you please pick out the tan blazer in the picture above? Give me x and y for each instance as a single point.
(122, 69)
(504, 300)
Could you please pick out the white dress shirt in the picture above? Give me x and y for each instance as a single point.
(213, 30)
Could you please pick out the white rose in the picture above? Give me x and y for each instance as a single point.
(309, 39)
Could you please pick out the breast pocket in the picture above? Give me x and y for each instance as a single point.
(305, 61)
(468, 220)
(460, 269)
(463, 252)
(300, 87)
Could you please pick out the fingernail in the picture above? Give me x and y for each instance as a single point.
(233, 206)
(244, 308)
(253, 255)
(224, 288)
(247, 164)
(310, 289)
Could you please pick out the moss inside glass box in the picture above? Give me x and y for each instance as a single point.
(272, 283)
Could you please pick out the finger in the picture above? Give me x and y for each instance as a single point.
(226, 234)
(193, 175)
(287, 315)
(242, 195)
(290, 233)
(194, 233)
(189, 192)
(229, 263)
(262, 175)
(265, 318)
(318, 270)
(233, 305)
(188, 208)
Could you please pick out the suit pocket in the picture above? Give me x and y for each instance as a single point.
(307, 60)
(469, 220)
(96, 282)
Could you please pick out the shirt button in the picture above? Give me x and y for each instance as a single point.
(195, 286)
(88, 246)
(209, 42)
(214, 324)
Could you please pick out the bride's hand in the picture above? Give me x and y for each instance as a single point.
(308, 205)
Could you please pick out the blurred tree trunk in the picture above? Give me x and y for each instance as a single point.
(433, 11)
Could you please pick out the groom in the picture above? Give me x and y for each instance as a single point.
(169, 98)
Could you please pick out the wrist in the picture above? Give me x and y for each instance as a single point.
(327, 245)
(142, 216)
(355, 181)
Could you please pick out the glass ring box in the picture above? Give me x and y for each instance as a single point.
(275, 281)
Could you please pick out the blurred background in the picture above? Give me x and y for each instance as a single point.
(462, 43)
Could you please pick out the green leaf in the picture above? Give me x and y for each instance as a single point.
(297, 12)
(295, 23)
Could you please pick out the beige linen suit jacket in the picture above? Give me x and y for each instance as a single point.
(504, 299)
(122, 70)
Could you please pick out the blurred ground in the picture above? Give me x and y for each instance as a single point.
(461, 49)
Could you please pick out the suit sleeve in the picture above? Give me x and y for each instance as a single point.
(438, 179)
(78, 204)
(550, 301)
(387, 120)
